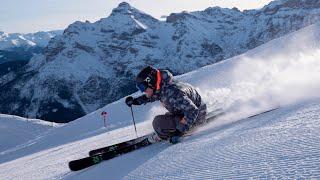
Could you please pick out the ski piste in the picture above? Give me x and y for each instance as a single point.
(115, 150)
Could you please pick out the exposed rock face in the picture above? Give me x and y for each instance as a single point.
(93, 64)
(17, 49)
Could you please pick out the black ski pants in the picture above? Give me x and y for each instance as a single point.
(165, 125)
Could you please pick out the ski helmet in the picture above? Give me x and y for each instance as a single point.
(147, 78)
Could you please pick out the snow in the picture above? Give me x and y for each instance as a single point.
(283, 143)
(139, 23)
(21, 132)
(13, 40)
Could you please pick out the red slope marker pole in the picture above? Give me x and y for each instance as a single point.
(104, 114)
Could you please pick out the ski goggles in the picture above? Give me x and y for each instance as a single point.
(142, 87)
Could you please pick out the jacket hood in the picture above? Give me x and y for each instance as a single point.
(167, 78)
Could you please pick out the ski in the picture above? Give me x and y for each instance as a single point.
(83, 163)
(118, 146)
(263, 112)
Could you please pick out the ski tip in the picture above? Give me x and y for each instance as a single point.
(73, 166)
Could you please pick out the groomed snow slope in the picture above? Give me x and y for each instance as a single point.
(279, 144)
(283, 73)
(17, 132)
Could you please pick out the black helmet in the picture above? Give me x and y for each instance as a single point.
(147, 78)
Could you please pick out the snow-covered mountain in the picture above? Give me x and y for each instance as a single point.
(17, 49)
(281, 144)
(93, 64)
(16, 40)
(21, 47)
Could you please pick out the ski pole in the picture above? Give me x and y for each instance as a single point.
(134, 122)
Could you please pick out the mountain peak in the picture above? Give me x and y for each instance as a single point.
(124, 5)
(174, 17)
(292, 4)
(123, 8)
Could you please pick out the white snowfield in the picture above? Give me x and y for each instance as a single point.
(17, 132)
(283, 143)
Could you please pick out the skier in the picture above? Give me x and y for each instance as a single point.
(185, 106)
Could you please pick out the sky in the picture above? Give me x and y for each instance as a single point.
(43, 15)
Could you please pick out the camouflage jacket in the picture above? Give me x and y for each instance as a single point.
(177, 97)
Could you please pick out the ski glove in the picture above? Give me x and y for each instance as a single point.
(182, 127)
(129, 101)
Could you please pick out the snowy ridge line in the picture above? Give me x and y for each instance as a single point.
(26, 144)
(34, 121)
(22, 132)
(16, 40)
